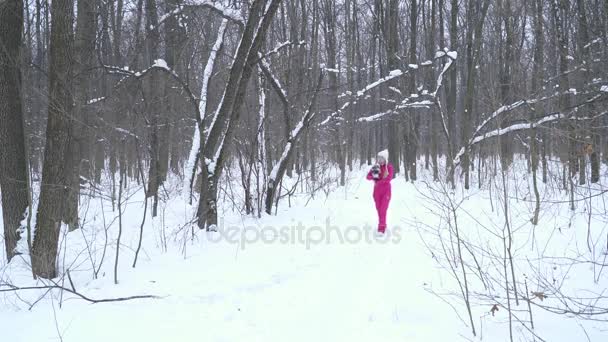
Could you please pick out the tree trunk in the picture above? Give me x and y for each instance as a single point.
(451, 89)
(220, 133)
(154, 87)
(13, 156)
(414, 116)
(392, 50)
(536, 79)
(55, 172)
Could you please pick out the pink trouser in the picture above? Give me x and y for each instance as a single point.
(382, 199)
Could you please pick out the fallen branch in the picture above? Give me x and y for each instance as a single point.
(13, 288)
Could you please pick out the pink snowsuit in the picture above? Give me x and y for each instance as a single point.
(382, 193)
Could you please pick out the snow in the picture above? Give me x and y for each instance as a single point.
(452, 54)
(282, 45)
(279, 86)
(313, 272)
(395, 73)
(166, 16)
(604, 88)
(209, 67)
(231, 13)
(93, 101)
(595, 41)
(161, 63)
(417, 104)
(261, 152)
(125, 131)
(374, 117)
(439, 54)
(413, 66)
(446, 67)
(275, 170)
(395, 90)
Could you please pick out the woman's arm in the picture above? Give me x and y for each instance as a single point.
(389, 177)
(369, 175)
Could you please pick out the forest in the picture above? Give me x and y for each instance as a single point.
(130, 129)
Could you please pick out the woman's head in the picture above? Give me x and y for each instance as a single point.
(382, 157)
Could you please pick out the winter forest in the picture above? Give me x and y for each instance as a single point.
(195, 170)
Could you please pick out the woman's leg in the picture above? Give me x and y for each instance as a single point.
(383, 207)
(377, 202)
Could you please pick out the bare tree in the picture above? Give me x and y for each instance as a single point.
(13, 156)
(55, 172)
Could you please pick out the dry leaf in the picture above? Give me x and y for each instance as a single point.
(539, 295)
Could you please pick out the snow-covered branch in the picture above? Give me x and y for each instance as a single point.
(414, 101)
(518, 104)
(394, 74)
(522, 125)
(280, 47)
(223, 11)
(276, 84)
(159, 65)
(202, 110)
(308, 116)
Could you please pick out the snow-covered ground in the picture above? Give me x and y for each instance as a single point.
(313, 272)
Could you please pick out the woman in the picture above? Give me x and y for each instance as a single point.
(381, 174)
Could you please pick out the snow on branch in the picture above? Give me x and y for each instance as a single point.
(159, 65)
(413, 101)
(445, 69)
(95, 100)
(517, 104)
(276, 85)
(308, 116)
(223, 11)
(394, 74)
(518, 126)
(209, 68)
(202, 109)
(280, 47)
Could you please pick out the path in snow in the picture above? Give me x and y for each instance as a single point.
(270, 292)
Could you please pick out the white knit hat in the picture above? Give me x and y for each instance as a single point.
(383, 154)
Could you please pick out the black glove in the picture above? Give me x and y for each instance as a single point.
(376, 171)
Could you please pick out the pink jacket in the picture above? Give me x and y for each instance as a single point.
(383, 185)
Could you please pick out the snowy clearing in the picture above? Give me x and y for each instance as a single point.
(283, 277)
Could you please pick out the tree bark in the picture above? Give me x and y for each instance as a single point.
(55, 172)
(13, 156)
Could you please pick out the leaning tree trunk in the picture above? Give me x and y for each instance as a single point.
(13, 164)
(222, 129)
(55, 172)
(278, 171)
